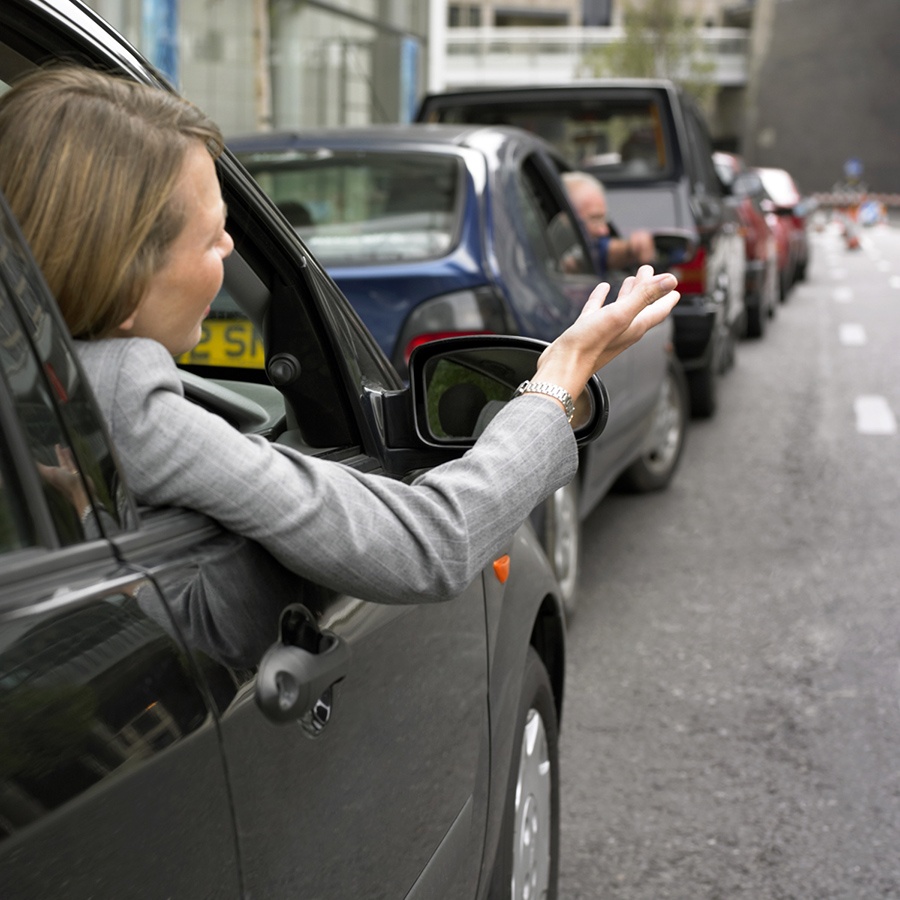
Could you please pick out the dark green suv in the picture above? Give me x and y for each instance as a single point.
(647, 141)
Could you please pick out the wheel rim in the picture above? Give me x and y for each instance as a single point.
(668, 425)
(563, 540)
(531, 836)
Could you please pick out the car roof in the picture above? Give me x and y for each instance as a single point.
(491, 141)
(78, 19)
(382, 136)
(574, 87)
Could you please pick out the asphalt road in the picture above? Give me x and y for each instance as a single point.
(733, 696)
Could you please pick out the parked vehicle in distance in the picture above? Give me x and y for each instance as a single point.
(433, 231)
(744, 190)
(647, 141)
(153, 742)
(786, 211)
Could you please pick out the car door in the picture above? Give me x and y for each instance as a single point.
(386, 787)
(112, 780)
(548, 226)
(381, 789)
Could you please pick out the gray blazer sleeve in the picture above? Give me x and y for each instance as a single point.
(362, 534)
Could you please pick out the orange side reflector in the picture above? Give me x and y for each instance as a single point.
(501, 568)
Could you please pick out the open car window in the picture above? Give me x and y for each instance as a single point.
(276, 300)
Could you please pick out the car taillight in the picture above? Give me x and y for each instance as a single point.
(691, 275)
(434, 336)
(477, 311)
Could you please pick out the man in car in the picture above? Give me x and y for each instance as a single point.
(588, 198)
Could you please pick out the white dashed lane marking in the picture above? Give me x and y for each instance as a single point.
(852, 335)
(873, 415)
(842, 294)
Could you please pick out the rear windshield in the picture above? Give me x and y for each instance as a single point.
(361, 207)
(617, 139)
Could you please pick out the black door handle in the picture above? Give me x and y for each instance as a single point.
(291, 679)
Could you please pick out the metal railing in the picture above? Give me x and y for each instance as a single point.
(541, 55)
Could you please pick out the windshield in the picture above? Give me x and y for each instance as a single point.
(363, 208)
(618, 139)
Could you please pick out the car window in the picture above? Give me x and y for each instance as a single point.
(364, 208)
(16, 529)
(701, 153)
(551, 228)
(66, 438)
(616, 138)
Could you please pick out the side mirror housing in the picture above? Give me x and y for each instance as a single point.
(457, 385)
(673, 248)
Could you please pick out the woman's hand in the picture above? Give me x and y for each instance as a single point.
(601, 333)
(65, 479)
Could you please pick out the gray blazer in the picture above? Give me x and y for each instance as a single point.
(362, 534)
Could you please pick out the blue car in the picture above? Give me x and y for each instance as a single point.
(435, 231)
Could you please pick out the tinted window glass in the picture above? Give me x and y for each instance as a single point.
(617, 139)
(66, 436)
(701, 152)
(15, 525)
(363, 208)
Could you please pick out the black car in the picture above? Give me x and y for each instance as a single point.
(307, 743)
(647, 141)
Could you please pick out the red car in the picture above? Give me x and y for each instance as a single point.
(786, 212)
(745, 192)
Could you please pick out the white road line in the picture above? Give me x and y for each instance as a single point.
(895, 281)
(852, 335)
(842, 294)
(873, 415)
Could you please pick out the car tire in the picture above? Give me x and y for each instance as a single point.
(702, 389)
(527, 863)
(562, 542)
(757, 315)
(656, 466)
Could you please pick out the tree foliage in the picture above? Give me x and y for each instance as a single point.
(660, 42)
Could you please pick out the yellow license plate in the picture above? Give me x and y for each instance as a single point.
(227, 342)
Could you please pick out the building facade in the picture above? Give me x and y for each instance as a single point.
(823, 90)
(259, 64)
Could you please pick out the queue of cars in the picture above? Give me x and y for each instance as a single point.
(744, 191)
(152, 748)
(647, 141)
(446, 230)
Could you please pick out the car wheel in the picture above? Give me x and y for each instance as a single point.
(702, 388)
(528, 856)
(757, 315)
(562, 542)
(656, 466)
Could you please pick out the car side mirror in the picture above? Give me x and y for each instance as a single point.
(457, 385)
(673, 248)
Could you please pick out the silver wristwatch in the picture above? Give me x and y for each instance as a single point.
(551, 390)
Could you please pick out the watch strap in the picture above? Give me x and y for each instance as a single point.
(551, 390)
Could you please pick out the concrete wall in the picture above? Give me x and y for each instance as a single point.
(824, 87)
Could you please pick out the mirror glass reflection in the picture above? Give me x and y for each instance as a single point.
(466, 388)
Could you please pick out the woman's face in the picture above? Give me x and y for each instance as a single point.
(179, 294)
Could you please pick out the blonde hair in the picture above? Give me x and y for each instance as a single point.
(89, 163)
